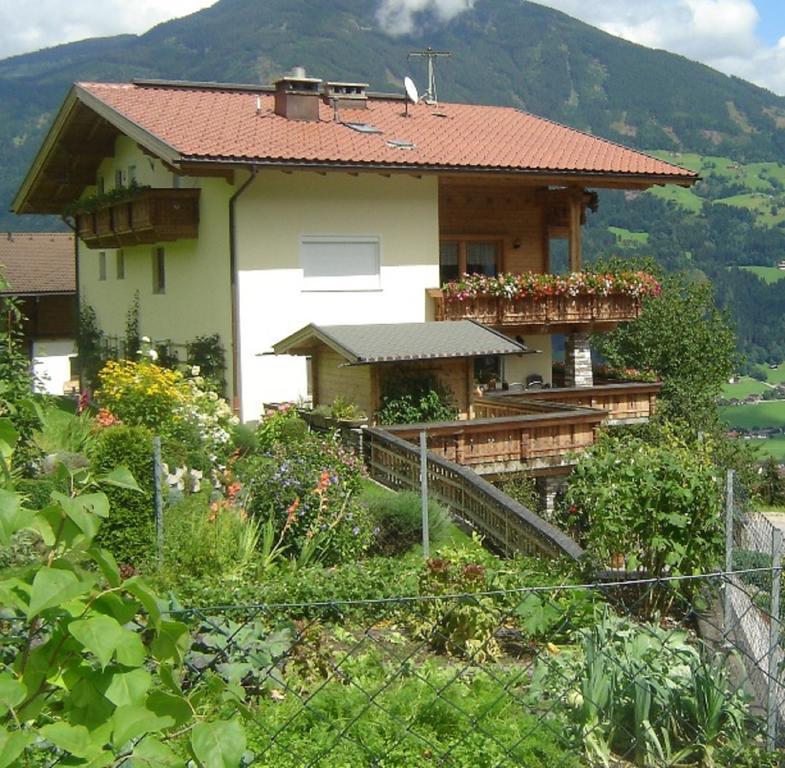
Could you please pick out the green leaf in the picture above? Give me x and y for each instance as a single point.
(122, 609)
(13, 517)
(104, 559)
(8, 437)
(219, 744)
(76, 740)
(130, 649)
(12, 693)
(94, 503)
(120, 477)
(99, 635)
(149, 600)
(12, 744)
(171, 641)
(132, 721)
(129, 687)
(151, 753)
(53, 587)
(171, 705)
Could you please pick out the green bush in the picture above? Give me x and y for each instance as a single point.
(307, 488)
(397, 520)
(283, 424)
(523, 489)
(415, 400)
(208, 540)
(129, 531)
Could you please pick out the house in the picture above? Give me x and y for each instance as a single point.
(38, 271)
(253, 211)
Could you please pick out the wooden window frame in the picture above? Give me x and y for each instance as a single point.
(102, 266)
(463, 240)
(120, 264)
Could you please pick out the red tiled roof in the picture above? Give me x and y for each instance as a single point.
(37, 262)
(216, 123)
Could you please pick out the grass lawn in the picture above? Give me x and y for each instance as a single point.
(681, 196)
(774, 447)
(767, 274)
(628, 237)
(760, 204)
(744, 387)
(757, 416)
(776, 375)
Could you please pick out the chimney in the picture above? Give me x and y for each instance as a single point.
(346, 95)
(297, 96)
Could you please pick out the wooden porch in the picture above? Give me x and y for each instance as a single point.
(533, 436)
(145, 217)
(625, 403)
(551, 314)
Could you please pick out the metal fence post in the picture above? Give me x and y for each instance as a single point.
(426, 543)
(727, 619)
(774, 638)
(158, 500)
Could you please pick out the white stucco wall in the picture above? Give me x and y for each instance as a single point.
(197, 300)
(274, 213)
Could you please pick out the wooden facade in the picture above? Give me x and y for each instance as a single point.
(147, 217)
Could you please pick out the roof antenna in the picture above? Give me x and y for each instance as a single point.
(411, 92)
(430, 95)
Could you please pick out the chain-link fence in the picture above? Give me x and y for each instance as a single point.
(635, 673)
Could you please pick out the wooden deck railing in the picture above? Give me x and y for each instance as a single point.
(548, 312)
(626, 403)
(546, 436)
(505, 523)
(148, 216)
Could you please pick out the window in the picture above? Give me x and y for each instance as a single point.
(159, 271)
(457, 257)
(119, 179)
(102, 265)
(340, 263)
(131, 175)
(120, 264)
(100, 185)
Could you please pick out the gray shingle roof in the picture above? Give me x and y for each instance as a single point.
(387, 342)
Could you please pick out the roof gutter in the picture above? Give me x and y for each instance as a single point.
(234, 283)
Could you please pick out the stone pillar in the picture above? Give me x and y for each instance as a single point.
(577, 361)
(548, 487)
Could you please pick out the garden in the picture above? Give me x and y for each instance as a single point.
(281, 611)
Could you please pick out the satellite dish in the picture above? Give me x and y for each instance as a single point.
(411, 90)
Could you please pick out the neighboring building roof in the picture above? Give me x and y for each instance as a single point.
(390, 342)
(215, 123)
(37, 263)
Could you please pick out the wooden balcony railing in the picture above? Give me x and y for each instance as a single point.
(509, 526)
(149, 216)
(548, 312)
(625, 403)
(544, 436)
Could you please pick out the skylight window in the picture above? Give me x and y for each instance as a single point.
(363, 127)
(400, 144)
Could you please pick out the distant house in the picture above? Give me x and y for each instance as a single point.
(252, 211)
(39, 270)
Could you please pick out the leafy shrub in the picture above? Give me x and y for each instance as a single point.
(341, 408)
(414, 400)
(648, 507)
(145, 394)
(307, 489)
(283, 424)
(62, 432)
(398, 518)
(460, 627)
(207, 354)
(203, 539)
(523, 489)
(129, 531)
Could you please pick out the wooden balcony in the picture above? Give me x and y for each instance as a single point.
(149, 216)
(625, 403)
(550, 314)
(538, 437)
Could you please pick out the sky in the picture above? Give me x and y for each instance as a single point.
(739, 37)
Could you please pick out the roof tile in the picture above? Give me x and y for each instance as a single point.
(37, 262)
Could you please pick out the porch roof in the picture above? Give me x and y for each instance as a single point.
(398, 342)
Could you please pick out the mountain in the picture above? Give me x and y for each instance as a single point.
(507, 52)
(504, 52)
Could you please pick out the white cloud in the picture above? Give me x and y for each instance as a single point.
(397, 17)
(720, 33)
(28, 26)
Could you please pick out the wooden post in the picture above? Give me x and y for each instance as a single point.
(575, 211)
(426, 542)
(727, 618)
(774, 639)
(158, 500)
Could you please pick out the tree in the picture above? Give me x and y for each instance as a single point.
(687, 341)
(771, 484)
